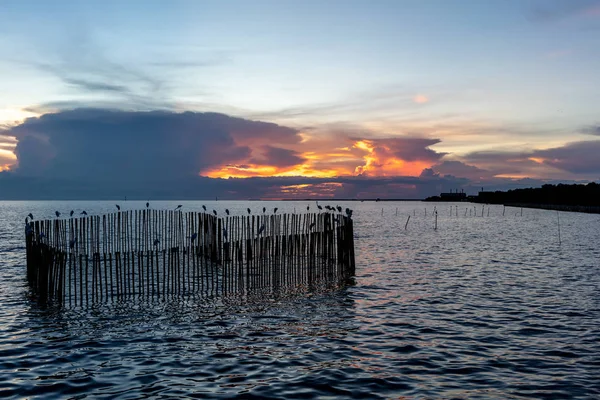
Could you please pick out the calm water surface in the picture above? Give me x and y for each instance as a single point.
(483, 307)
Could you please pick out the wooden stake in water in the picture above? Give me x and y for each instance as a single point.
(405, 225)
(503, 210)
(558, 220)
(435, 228)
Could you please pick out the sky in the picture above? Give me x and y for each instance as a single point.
(281, 99)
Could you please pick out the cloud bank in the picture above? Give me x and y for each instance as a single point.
(101, 153)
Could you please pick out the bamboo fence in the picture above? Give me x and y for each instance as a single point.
(159, 253)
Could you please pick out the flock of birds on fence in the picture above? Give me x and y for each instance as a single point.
(178, 208)
(339, 209)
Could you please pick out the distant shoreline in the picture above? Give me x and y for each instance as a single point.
(558, 207)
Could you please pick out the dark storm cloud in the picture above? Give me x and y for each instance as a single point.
(98, 144)
(580, 158)
(592, 130)
(457, 168)
(351, 187)
(576, 157)
(410, 148)
(279, 157)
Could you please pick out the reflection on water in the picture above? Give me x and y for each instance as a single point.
(482, 307)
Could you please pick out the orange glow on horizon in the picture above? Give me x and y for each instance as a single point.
(379, 162)
(247, 171)
(363, 157)
(14, 115)
(537, 160)
(514, 176)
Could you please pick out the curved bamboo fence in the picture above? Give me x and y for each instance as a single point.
(159, 253)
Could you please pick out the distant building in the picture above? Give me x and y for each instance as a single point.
(453, 196)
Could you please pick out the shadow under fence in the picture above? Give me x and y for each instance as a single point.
(158, 253)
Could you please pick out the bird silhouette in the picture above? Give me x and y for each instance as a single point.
(227, 211)
(30, 215)
(348, 212)
(178, 207)
(118, 207)
(147, 204)
(307, 208)
(261, 229)
(57, 214)
(156, 242)
(275, 210)
(264, 210)
(194, 236)
(319, 207)
(249, 212)
(203, 207)
(339, 208)
(83, 213)
(215, 212)
(71, 213)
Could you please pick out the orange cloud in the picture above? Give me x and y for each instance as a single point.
(396, 156)
(310, 190)
(7, 159)
(326, 157)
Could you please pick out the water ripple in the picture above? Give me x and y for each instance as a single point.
(481, 308)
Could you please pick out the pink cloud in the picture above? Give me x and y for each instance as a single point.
(420, 99)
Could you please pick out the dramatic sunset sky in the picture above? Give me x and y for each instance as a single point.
(282, 99)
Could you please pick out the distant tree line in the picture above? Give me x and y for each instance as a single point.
(561, 194)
